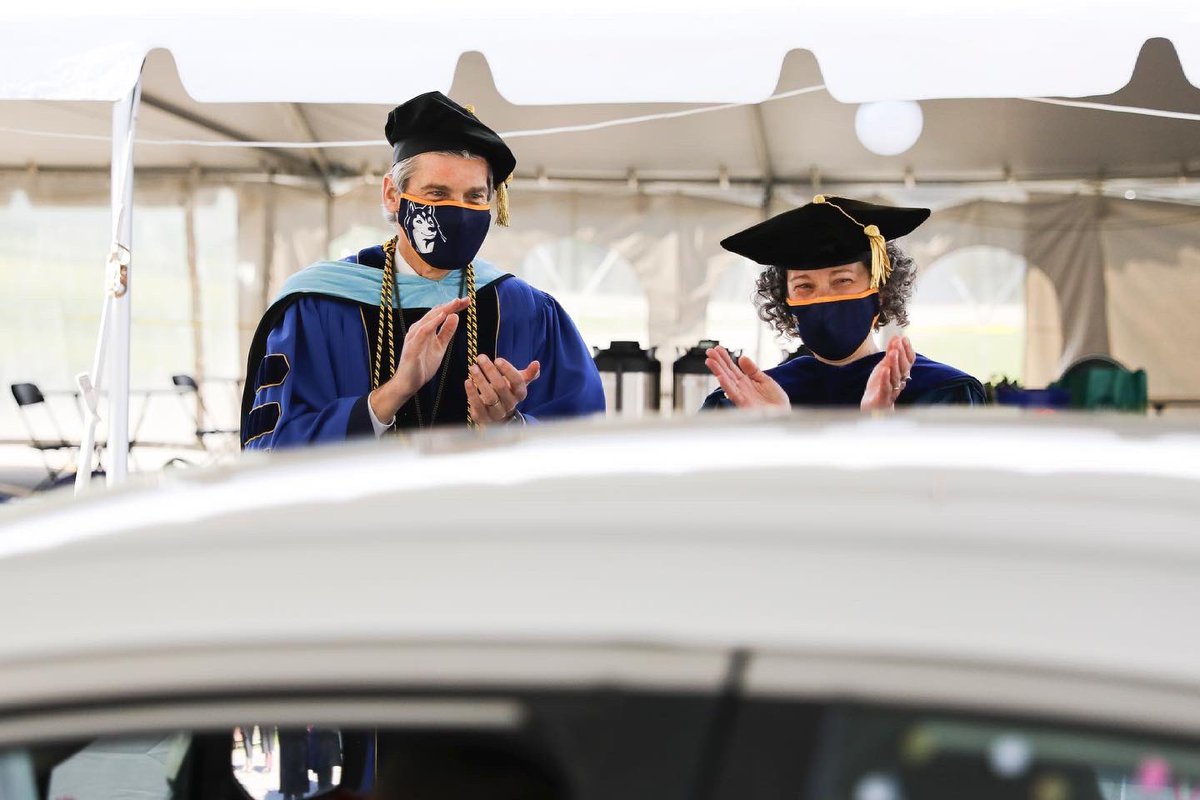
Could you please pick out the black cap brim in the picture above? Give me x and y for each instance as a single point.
(819, 235)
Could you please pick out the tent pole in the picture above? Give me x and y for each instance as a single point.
(112, 343)
(268, 251)
(195, 292)
(88, 397)
(125, 113)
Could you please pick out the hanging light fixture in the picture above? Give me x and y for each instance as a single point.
(889, 127)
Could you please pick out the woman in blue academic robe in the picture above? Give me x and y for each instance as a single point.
(833, 276)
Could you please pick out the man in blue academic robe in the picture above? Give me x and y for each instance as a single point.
(418, 332)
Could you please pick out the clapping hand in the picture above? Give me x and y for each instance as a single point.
(890, 376)
(424, 348)
(495, 388)
(426, 342)
(744, 383)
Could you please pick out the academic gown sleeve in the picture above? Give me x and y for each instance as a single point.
(717, 399)
(959, 393)
(303, 393)
(569, 383)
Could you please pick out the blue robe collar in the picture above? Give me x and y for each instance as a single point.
(359, 278)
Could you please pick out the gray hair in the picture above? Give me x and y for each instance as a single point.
(403, 170)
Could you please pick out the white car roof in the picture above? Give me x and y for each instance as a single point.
(1030, 564)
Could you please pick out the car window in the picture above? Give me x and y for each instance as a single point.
(618, 745)
(356, 741)
(873, 754)
(286, 763)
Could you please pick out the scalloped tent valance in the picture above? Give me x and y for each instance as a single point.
(595, 53)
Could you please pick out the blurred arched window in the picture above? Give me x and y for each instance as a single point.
(595, 284)
(968, 311)
(732, 318)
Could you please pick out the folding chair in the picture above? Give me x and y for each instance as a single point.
(27, 396)
(186, 385)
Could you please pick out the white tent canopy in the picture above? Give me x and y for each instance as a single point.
(804, 133)
(618, 51)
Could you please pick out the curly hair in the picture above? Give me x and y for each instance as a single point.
(770, 293)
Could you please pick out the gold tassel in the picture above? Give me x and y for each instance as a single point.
(502, 202)
(881, 265)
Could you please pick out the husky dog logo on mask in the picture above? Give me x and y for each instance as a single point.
(422, 221)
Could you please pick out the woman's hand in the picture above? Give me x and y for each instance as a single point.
(744, 383)
(890, 376)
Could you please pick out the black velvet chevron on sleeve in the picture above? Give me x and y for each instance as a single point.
(272, 371)
(261, 420)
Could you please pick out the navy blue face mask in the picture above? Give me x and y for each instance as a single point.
(834, 327)
(446, 234)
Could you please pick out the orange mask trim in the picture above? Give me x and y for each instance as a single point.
(834, 299)
(470, 206)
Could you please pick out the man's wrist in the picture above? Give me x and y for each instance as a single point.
(388, 399)
(378, 426)
(380, 408)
